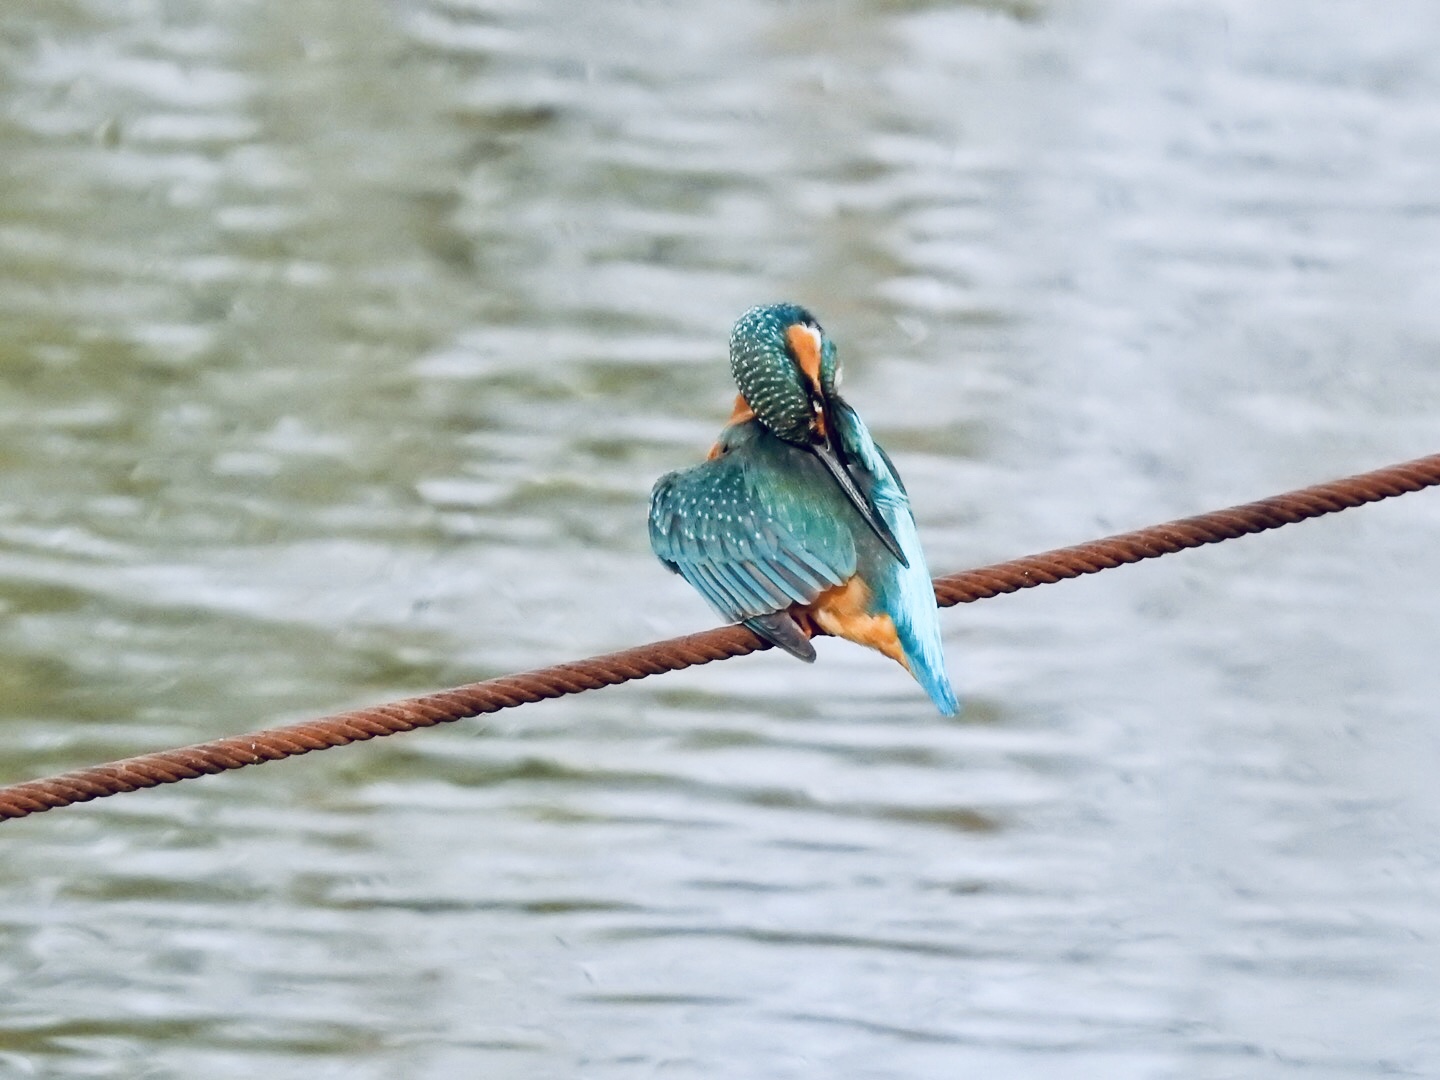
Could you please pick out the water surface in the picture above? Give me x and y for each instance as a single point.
(339, 347)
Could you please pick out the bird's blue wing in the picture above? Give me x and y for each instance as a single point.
(906, 593)
(752, 530)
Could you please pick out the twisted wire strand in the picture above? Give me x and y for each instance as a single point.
(446, 706)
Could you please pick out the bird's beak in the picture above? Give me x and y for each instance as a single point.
(825, 451)
(807, 347)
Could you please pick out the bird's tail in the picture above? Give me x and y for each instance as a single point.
(933, 678)
(917, 625)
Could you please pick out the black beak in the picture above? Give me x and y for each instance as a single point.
(826, 453)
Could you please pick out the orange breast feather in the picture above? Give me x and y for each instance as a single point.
(842, 611)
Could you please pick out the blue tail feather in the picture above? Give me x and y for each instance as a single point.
(906, 593)
(917, 623)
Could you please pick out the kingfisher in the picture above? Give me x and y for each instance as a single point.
(797, 522)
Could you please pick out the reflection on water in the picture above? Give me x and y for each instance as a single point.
(340, 347)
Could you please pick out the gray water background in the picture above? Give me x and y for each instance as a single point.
(340, 344)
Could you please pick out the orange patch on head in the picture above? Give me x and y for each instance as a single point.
(804, 342)
(844, 612)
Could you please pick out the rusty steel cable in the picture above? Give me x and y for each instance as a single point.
(237, 751)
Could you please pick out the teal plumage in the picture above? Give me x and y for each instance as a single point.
(906, 593)
(766, 380)
(759, 527)
(799, 520)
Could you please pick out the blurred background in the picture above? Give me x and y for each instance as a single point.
(340, 344)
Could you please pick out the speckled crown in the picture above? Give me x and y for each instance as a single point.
(766, 375)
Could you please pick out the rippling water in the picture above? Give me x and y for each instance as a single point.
(340, 345)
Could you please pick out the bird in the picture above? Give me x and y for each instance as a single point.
(797, 521)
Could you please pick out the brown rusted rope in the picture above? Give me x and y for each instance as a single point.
(235, 752)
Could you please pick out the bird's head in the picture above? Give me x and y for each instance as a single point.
(789, 375)
(787, 371)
